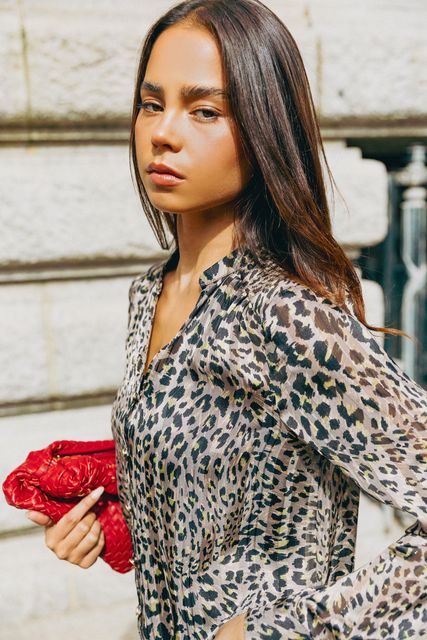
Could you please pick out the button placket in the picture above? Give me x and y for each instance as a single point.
(128, 509)
(128, 430)
(134, 395)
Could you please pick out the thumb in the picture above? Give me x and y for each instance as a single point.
(39, 518)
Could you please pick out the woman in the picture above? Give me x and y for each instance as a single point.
(255, 402)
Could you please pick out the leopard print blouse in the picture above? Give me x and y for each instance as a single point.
(241, 453)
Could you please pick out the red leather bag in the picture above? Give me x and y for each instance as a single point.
(54, 479)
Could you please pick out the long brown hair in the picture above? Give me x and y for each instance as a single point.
(283, 212)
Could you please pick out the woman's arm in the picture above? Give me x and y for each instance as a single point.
(334, 387)
(117, 421)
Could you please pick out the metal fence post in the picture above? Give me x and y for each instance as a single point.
(414, 256)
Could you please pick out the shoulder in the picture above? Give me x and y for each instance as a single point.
(294, 306)
(283, 302)
(291, 313)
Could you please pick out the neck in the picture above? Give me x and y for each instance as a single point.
(200, 245)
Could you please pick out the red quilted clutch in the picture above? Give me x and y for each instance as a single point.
(54, 479)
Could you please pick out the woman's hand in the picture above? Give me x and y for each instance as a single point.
(233, 629)
(78, 536)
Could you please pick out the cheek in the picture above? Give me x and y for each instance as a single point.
(140, 144)
(224, 161)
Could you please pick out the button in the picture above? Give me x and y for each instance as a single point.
(127, 506)
(134, 398)
(125, 451)
(138, 610)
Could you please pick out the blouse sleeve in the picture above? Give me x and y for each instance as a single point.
(117, 429)
(333, 386)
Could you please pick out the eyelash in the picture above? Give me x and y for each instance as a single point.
(141, 105)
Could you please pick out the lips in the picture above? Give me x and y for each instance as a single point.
(163, 168)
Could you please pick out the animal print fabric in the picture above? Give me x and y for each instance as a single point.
(241, 453)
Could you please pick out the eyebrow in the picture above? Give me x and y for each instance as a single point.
(188, 91)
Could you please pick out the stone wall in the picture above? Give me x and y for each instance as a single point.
(74, 235)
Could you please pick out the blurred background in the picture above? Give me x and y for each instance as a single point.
(73, 235)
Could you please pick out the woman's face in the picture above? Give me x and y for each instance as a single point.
(195, 136)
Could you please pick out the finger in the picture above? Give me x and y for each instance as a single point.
(80, 531)
(93, 555)
(62, 544)
(39, 518)
(74, 515)
(86, 545)
(70, 549)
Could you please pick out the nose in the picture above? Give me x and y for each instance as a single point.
(165, 129)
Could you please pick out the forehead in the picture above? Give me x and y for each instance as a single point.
(185, 56)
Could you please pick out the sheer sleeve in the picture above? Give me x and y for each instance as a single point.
(120, 404)
(334, 387)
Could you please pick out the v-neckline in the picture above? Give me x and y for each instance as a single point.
(217, 271)
(154, 300)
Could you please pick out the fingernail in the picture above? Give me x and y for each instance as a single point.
(28, 514)
(95, 494)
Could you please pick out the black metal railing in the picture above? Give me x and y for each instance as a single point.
(399, 263)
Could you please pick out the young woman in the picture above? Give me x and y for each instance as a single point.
(255, 403)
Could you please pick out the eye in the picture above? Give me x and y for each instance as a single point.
(213, 114)
(144, 105)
